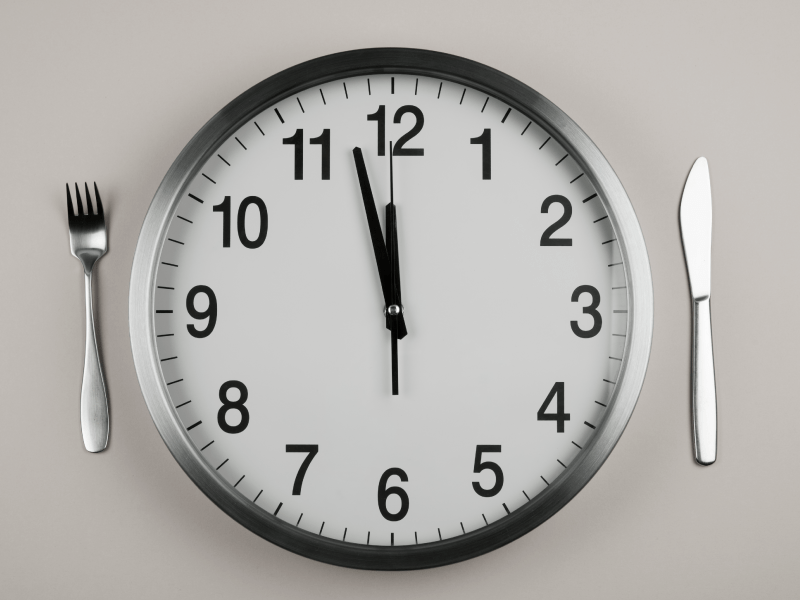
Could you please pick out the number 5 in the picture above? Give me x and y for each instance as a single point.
(493, 467)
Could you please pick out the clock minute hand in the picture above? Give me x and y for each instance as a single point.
(378, 245)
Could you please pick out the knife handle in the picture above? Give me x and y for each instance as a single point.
(704, 387)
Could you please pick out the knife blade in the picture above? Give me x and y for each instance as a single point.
(695, 219)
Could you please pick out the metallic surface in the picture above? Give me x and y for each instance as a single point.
(88, 243)
(695, 217)
(516, 95)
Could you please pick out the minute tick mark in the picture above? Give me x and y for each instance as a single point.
(462, 96)
(170, 358)
(176, 381)
(163, 287)
(298, 520)
(257, 495)
(301, 105)
(222, 464)
(526, 496)
(279, 115)
(608, 242)
(440, 90)
(508, 512)
(223, 160)
(526, 128)
(176, 241)
(611, 382)
(505, 116)
(262, 133)
(193, 426)
(545, 480)
(238, 482)
(193, 197)
(209, 178)
(600, 219)
(589, 424)
(240, 142)
(485, 103)
(169, 264)
(346, 97)
(562, 464)
(207, 445)
(325, 103)
(185, 219)
(562, 159)
(542, 146)
(576, 179)
(590, 197)
(277, 509)
(600, 403)
(183, 404)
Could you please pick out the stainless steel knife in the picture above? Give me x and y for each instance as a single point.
(695, 216)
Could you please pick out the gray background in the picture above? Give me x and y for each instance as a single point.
(111, 92)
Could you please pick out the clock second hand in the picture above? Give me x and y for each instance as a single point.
(394, 310)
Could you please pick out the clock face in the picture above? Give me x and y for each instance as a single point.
(388, 312)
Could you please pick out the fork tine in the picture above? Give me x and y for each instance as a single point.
(89, 209)
(71, 211)
(78, 200)
(97, 197)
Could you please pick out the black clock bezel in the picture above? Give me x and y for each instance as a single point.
(521, 98)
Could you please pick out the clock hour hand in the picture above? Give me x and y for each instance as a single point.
(378, 245)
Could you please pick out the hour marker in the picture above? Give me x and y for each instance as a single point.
(163, 287)
(462, 529)
(176, 381)
(562, 464)
(176, 241)
(169, 264)
(526, 128)
(508, 512)
(440, 90)
(589, 424)
(562, 159)
(238, 482)
(223, 160)
(393, 93)
(462, 96)
(485, 103)
(183, 404)
(259, 128)
(207, 445)
(240, 141)
(545, 480)
(298, 520)
(209, 178)
(193, 197)
(158, 312)
(577, 445)
(393, 533)
(611, 382)
(325, 103)
(190, 427)
(608, 242)
(185, 219)
(526, 496)
(303, 109)
(323, 523)
(222, 464)
(505, 116)
(600, 219)
(590, 197)
(600, 403)
(279, 115)
(440, 533)
(484, 518)
(542, 146)
(576, 179)
(170, 358)
(347, 97)
(257, 495)
(277, 509)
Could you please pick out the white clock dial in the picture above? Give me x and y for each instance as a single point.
(513, 291)
(391, 309)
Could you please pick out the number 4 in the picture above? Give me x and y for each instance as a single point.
(559, 416)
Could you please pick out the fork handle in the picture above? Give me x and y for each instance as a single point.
(94, 403)
(704, 387)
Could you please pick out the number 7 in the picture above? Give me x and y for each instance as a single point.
(312, 452)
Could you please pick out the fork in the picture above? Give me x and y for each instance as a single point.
(87, 242)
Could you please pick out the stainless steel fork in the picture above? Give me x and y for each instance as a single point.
(87, 242)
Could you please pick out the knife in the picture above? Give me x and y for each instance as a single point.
(695, 217)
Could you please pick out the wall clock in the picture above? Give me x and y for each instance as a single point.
(390, 309)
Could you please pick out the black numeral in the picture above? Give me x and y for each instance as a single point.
(485, 140)
(399, 150)
(589, 310)
(263, 221)
(380, 116)
(229, 405)
(325, 141)
(546, 239)
(312, 452)
(384, 493)
(492, 466)
(210, 313)
(297, 140)
(559, 416)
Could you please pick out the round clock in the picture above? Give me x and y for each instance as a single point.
(390, 309)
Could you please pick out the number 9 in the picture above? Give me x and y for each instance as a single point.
(210, 313)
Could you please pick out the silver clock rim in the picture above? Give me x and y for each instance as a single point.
(520, 97)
